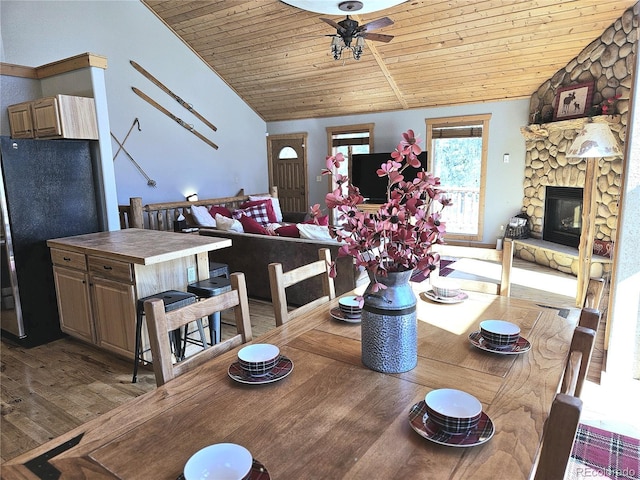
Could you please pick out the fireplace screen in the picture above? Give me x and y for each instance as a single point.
(563, 215)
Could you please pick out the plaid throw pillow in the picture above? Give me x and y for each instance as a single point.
(257, 212)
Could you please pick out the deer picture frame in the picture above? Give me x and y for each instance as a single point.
(573, 101)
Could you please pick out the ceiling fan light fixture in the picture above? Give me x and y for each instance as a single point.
(333, 7)
(350, 6)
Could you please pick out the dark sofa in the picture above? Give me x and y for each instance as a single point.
(251, 254)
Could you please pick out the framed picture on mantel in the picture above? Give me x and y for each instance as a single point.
(573, 101)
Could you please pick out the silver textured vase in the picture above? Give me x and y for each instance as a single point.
(389, 325)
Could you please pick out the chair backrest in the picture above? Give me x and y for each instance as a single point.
(504, 258)
(280, 280)
(590, 318)
(558, 436)
(578, 361)
(595, 290)
(160, 323)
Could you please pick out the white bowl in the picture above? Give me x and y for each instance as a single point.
(258, 352)
(222, 461)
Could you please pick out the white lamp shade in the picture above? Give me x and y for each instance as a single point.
(595, 140)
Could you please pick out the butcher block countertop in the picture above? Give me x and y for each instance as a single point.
(138, 246)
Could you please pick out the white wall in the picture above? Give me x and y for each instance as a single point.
(35, 33)
(504, 181)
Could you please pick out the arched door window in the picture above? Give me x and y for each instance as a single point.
(287, 153)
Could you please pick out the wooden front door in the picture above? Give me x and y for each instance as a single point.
(288, 170)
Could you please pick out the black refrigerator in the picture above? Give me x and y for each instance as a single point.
(48, 189)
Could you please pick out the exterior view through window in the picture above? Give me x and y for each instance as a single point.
(457, 153)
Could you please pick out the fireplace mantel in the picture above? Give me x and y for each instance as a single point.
(542, 130)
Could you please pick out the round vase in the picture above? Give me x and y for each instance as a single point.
(389, 325)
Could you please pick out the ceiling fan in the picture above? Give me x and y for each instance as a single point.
(348, 31)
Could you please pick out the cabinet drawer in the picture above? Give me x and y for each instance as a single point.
(69, 259)
(113, 269)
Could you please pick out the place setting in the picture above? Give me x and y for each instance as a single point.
(348, 310)
(444, 290)
(499, 336)
(260, 363)
(224, 461)
(451, 417)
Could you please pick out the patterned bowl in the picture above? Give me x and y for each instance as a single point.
(499, 333)
(453, 410)
(445, 287)
(224, 461)
(350, 306)
(259, 358)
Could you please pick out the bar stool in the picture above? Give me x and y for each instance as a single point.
(218, 270)
(210, 288)
(173, 299)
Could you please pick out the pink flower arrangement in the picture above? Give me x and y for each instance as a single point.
(398, 237)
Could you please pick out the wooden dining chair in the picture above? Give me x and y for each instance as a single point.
(558, 437)
(590, 318)
(578, 361)
(564, 417)
(595, 291)
(160, 323)
(504, 258)
(280, 281)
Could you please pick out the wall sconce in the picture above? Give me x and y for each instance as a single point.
(192, 198)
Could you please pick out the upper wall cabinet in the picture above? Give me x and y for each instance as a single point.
(61, 116)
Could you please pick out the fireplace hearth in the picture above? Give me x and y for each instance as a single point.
(562, 215)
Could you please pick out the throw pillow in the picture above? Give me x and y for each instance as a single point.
(202, 216)
(268, 205)
(224, 211)
(274, 201)
(257, 212)
(249, 225)
(314, 232)
(288, 231)
(228, 224)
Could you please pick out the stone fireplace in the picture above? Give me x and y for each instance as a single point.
(608, 62)
(546, 165)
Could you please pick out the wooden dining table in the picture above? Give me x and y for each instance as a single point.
(331, 417)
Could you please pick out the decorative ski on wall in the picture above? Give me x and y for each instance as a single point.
(186, 105)
(180, 122)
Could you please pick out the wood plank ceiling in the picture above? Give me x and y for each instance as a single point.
(444, 52)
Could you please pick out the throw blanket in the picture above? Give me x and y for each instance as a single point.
(602, 454)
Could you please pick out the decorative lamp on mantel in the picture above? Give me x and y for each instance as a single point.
(594, 141)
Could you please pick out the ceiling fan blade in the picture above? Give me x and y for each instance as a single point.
(377, 37)
(375, 24)
(333, 24)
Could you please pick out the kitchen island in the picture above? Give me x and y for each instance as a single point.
(99, 277)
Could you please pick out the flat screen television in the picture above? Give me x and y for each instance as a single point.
(372, 187)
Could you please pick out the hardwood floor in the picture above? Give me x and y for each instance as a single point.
(47, 390)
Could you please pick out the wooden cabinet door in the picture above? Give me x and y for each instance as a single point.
(114, 313)
(46, 117)
(20, 121)
(74, 305)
